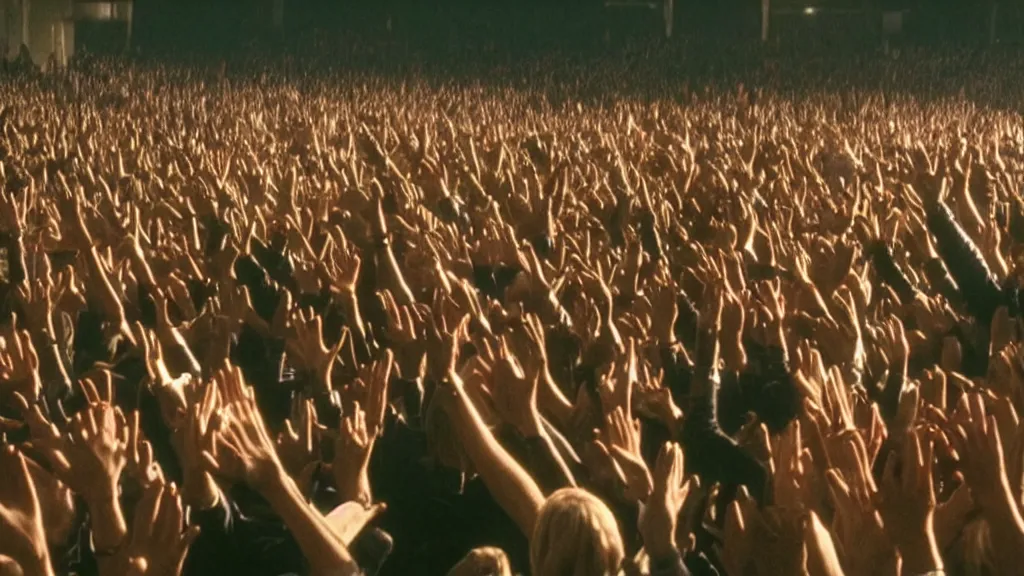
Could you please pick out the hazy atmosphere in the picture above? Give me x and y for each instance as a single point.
(550, 288)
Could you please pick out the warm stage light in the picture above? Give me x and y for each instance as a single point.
(810, 11)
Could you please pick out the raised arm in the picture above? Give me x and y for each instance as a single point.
(513, 488)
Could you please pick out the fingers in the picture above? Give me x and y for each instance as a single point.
(840, 490)
(144, 526)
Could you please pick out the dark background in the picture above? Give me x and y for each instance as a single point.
(438, 26)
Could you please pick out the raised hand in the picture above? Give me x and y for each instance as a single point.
(21, 519)
(306, 344)
(671, 489)
(513, 393)
(141, 462)
(345, 272)
(13, 214)
(198, 435)
(352, 451)
(974, 435)
(95, 452)
(242, 450)
(152, 352)
(863, 544)
(375, 380)
(404, 331)
(297, 445)
(622, 437)
(616, 387)
(19, 366)
(772, 540)
(733, 351)
(906, 501)
(159, 539)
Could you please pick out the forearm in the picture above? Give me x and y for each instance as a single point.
(36, 564)
(107, 523)
(920, 554)
(355, 488)
(891, 274)
(967, 212)
(545, 463)
(965, 263)
(140, 267)
(51, 363)
(667, 562)
(323, 550)
(177, 354)
(940, 280)
(822, 557)
(106, 295)
(894, 384)
(817, 305)
(553, 402)
(704, 381)
(1006, 529)
(349, 304)
(511, 486)
(390, 276)
(199, 490)
(16, 270)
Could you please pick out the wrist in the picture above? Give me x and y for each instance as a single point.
(272, 480)
(552, 401)
(107, 522)
(409, 362)
(355, 488)
(529, 426)
(996, 499)
(662, 551)
(102, 496)
(345, 297)
(321, 379)
(198, 490)
(734, 357)
(36, 562)
(921, 554)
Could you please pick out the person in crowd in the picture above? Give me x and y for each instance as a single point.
(251, 326)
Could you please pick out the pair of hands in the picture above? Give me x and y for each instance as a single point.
(90, 458)
(233, 442)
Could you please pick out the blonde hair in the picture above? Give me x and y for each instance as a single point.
(575, 535)
(485, 561)
(976, 543)
(9, 567)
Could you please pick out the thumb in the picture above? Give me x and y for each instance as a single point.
(629, 463)
(305, 479)
(190, 536)
(211, 464)
(289, 430)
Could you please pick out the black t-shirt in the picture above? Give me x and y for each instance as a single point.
(433, 525)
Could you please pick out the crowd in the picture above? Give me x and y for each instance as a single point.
(377, 326)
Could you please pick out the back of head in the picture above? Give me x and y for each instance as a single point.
(575, 535)
(8, 567)
(486, 561)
